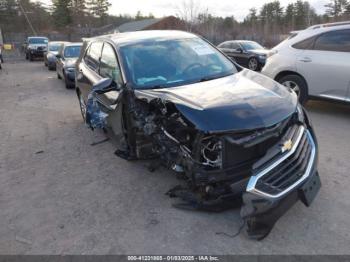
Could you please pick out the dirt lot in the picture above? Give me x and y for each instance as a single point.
(60, 195)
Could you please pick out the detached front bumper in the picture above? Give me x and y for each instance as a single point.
(277, 185)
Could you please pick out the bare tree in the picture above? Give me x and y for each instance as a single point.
(189, 11)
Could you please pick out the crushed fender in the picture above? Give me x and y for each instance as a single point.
(95, 117)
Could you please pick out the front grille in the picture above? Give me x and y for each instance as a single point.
(288, 169)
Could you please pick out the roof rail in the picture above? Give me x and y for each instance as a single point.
(330, 25)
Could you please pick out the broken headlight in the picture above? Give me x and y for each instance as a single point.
(211, 152)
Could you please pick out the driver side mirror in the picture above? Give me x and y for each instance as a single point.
(104, 85)
(239, 50)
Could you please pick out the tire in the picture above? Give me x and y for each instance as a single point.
(50, 68)
(82, 105)
(27, 57)
(297, 84)
(58, 76)
(66, 83)
(253, 64)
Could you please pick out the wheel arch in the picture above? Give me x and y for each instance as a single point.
(77, 91)
(288, 72)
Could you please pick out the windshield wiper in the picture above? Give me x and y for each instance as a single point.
(205, 79)
(157, 87)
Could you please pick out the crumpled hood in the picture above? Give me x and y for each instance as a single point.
(243, 101)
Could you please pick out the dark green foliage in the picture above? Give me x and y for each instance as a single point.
(61, 13)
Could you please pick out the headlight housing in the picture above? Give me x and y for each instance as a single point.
(211, 152)
(272, 53)
(301, 115)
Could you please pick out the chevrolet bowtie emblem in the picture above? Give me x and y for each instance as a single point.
(287, 146)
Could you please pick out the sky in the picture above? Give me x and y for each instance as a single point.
(159, 8)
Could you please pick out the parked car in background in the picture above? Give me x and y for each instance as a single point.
(315, 62)
(248, 54)
(65, 64)
(235, 136)
(1, 58)
(51, 53)
(35, 47)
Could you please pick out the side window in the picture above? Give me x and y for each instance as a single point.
(224, 45)
(109, 66)
(306, 44)
(234, 45)
(338, 41)
(92, 56)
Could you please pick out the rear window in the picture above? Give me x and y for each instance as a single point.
(38, 40)
(338, 41)
(54, 47)
(224, 45)
(306, 44)
(72, 51)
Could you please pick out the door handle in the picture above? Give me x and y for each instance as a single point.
(306, 60)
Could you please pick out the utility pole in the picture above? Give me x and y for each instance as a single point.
(26, 16)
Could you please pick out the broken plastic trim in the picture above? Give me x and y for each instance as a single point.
(258, 136)
(95, 117)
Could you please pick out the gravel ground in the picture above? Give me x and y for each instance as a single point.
(60, 195)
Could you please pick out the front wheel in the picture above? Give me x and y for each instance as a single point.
(297, 84)
(66, 81)
(253, 64)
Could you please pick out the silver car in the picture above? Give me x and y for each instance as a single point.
(315, 62)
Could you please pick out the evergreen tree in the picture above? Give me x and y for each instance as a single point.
(336, 8)
(8, 9)
(347, 9)
(289, 16)
(79, 12)
(99, 8)
(62, 13)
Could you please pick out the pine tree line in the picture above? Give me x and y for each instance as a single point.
(263, 24)
(78, 12)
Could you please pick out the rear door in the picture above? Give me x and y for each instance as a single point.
(325, 66)
(237, 52)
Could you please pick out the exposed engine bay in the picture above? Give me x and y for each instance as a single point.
(261, 170)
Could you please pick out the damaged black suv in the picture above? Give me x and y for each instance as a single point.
(234, 135)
